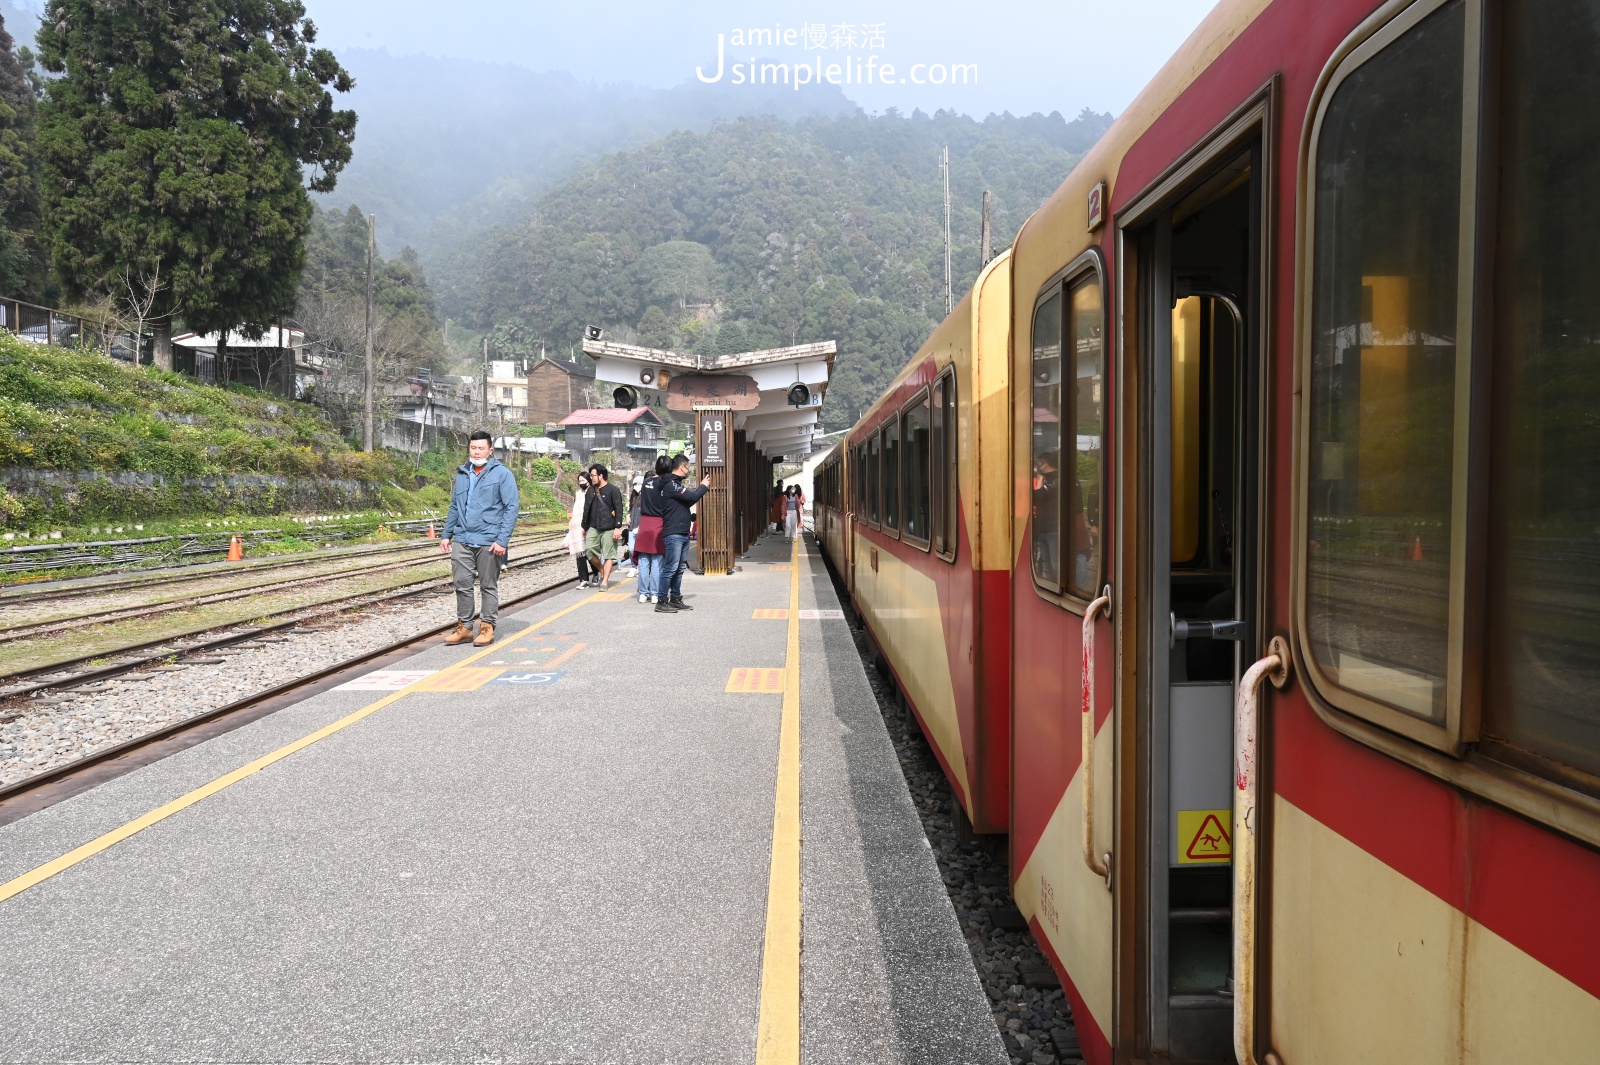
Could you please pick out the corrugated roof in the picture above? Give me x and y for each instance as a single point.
(608, 416)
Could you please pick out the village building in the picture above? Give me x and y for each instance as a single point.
(556, 388)
(630, 435)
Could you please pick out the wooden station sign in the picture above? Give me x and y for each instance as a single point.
(735, 391)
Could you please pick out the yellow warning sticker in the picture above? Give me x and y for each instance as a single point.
(771, 613)
(1204, 836)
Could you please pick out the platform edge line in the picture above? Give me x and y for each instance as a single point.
(778, 1030)
(40, 874)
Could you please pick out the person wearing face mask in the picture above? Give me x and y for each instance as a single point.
(574, 541)
(477, 535)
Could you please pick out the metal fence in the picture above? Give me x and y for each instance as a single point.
(47, 326)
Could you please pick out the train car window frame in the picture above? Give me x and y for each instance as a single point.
(895, 493)
(946, 464)
(1464, 753)
(1088, 267)
(923, 398)
(1454, 725)
(874, 478)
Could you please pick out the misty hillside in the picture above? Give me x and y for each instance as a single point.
(762, 233)
(445, 147)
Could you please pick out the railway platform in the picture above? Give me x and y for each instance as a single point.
(612, 836)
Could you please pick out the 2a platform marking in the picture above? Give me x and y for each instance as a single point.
(822, 615)
(770, 613)
(537, 679)
(459, 679)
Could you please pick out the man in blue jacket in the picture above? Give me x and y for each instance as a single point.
(675, 501)
(477, 534)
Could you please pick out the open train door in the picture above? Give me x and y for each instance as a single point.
(1192, 252)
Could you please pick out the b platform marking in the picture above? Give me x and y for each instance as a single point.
(385, 680)
(460, 679)
(770, 613)
(1206, 838)
(529, 680)
(756, 682)
(822, 615)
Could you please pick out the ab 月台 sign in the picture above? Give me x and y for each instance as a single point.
(715, 428)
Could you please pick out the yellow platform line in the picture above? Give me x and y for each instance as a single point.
(778, 1031)
(110, 839)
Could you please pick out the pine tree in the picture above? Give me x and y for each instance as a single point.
(22, 271)
(172, 148)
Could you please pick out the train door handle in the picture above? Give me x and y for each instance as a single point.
(1099, 864)
(1274, 667)
(1182, 629)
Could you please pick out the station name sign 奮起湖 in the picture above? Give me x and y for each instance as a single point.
(735, 391)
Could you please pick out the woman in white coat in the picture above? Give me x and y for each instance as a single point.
(574, 539)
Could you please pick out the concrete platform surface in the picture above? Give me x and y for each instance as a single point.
(565, 859)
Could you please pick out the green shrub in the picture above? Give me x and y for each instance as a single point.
(543, 469)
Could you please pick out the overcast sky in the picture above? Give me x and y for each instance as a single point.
(1038, 55)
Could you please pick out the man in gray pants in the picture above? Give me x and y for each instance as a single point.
(477, 534)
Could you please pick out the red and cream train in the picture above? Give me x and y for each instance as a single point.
(1272, 441)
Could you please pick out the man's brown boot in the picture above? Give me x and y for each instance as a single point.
(460, 634)
(485, 635)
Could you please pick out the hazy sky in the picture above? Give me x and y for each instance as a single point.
(1040, 55)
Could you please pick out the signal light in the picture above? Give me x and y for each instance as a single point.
(799, 395)
(625, 397)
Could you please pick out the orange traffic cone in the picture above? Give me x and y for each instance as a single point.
(431, 534)
(1416, 549)
(235, 549)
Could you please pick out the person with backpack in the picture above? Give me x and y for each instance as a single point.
(604, 516)
(477, 535)
(676, 523)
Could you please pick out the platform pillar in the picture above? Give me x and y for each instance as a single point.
(716, 456)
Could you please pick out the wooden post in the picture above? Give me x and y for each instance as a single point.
(715, 453)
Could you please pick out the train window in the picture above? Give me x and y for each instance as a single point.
(874, 477)
(946, 466)
(1069, 431)
(1086, 328)
(1046, 449)
(891, 475)
(1387, 344)
(1544, 511)
(916, 422)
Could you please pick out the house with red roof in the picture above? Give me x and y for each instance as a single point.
(636, 432)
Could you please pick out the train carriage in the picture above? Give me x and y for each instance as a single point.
(1299, 465)
(929, 541)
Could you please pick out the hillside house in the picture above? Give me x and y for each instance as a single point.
(636, 432)
(555, 389)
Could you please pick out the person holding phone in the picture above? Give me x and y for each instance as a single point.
(675, 524)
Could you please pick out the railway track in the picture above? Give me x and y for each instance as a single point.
(105, 664)
(19, 799)
(421, 557)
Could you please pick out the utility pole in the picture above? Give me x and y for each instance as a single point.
(983, 250)
(949, 291)
(372, 246)
(485, 409)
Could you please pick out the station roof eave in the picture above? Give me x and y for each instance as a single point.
(777, 427)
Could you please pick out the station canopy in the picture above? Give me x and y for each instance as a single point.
(759, 386)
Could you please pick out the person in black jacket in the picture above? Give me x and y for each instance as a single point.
(675, 501)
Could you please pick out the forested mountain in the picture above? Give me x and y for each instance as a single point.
(448, 146)
(762, 233)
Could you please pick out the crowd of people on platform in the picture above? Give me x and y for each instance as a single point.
(654, 524)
